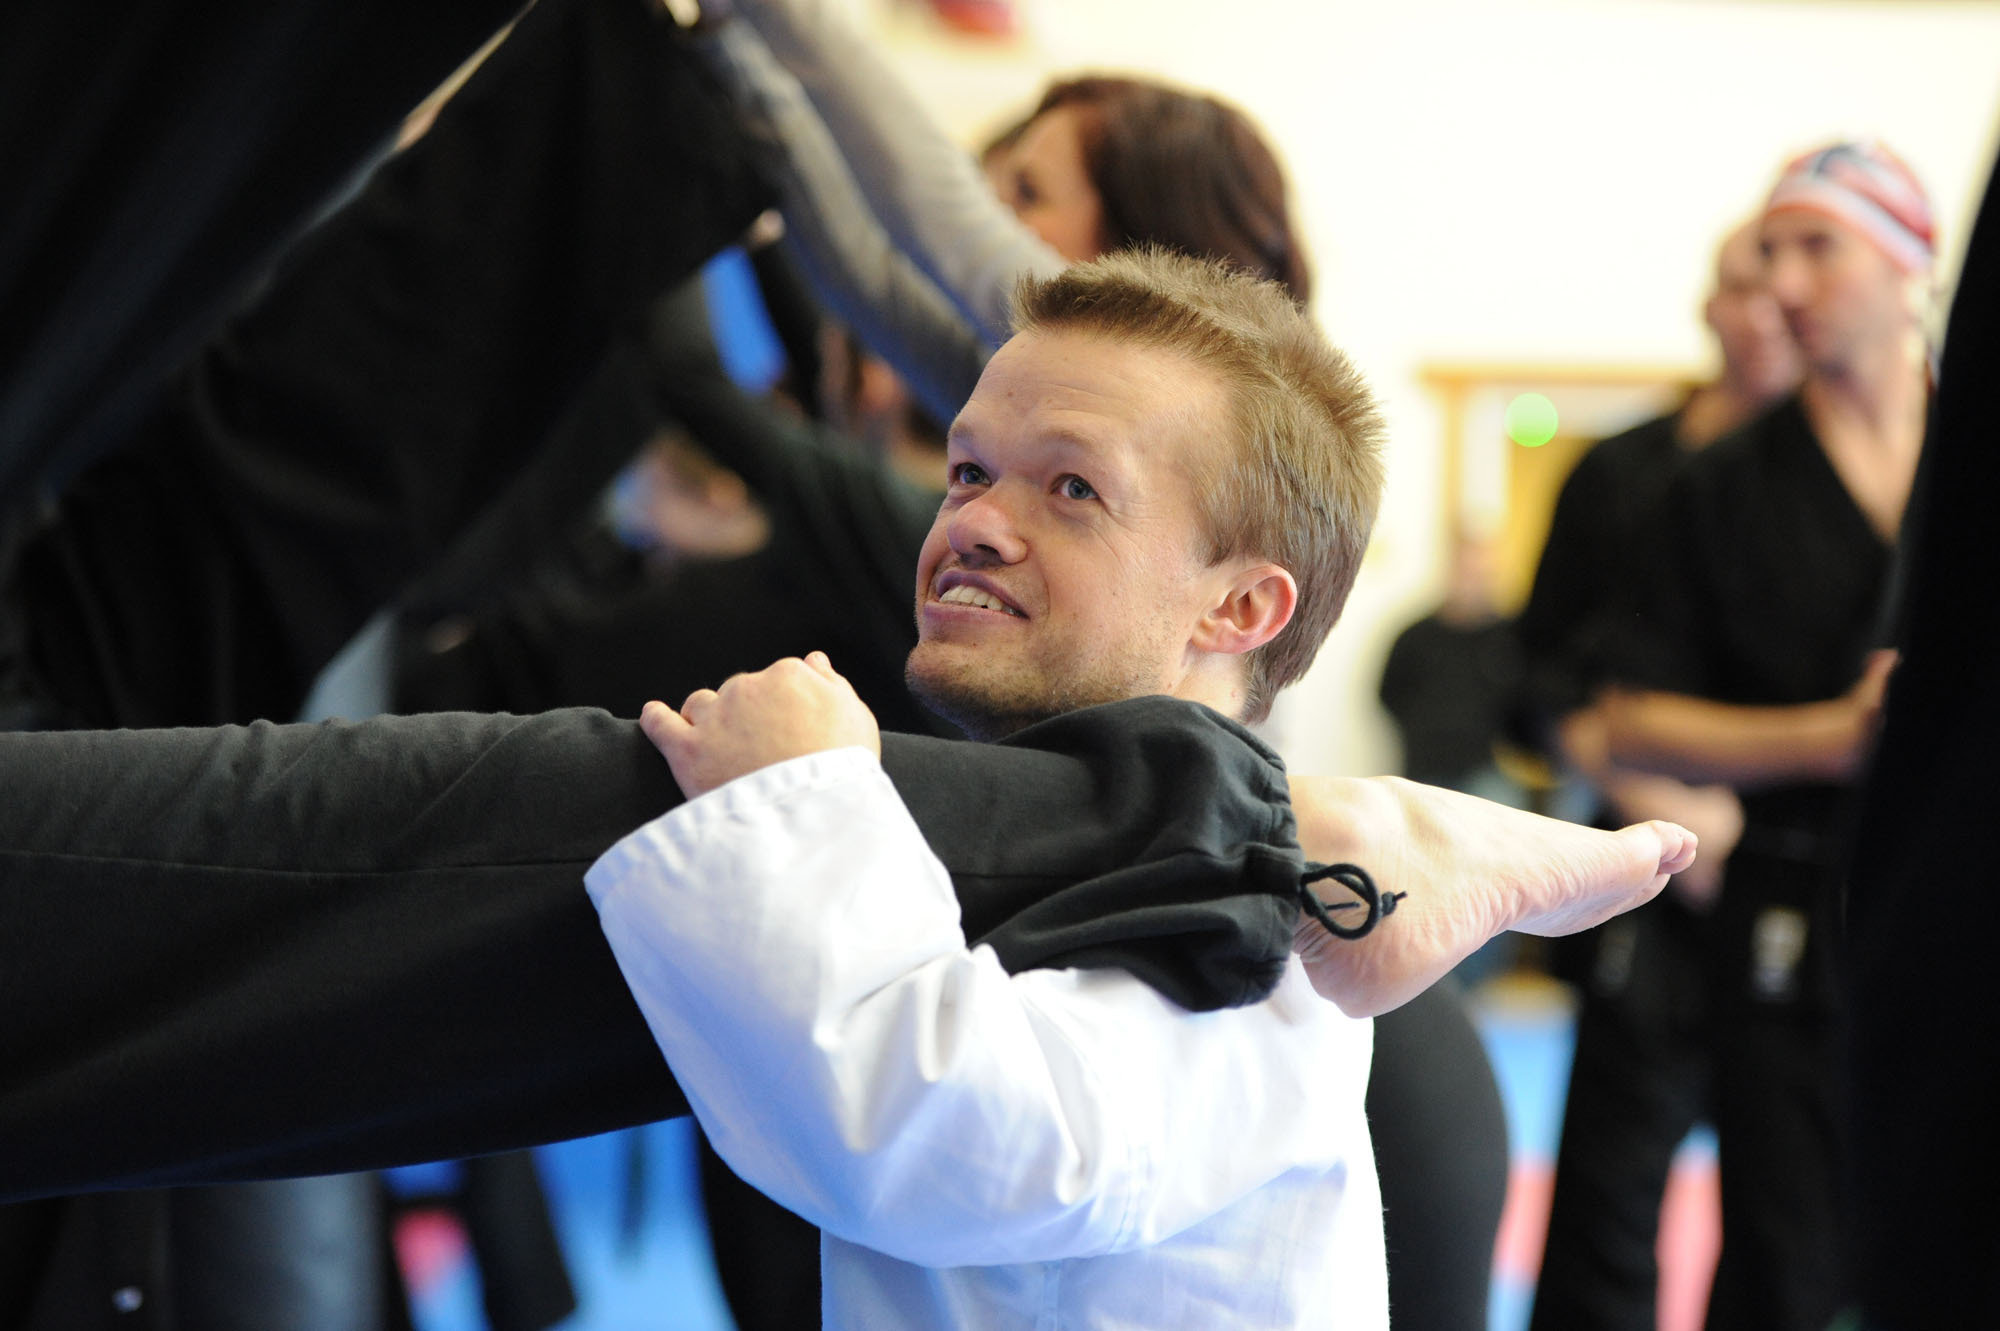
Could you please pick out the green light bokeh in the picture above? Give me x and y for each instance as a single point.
(1531, 420)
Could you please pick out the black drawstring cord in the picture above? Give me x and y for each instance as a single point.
(1356, 880)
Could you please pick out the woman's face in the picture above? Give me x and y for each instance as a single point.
(1044, 180)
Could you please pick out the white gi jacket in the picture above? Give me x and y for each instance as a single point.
(1046, 1150)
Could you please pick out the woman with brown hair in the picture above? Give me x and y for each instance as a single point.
(1181, 169)
(911, 245)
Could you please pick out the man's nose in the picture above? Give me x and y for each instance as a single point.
(985, 530)
(1789, 279)
(1765, 315)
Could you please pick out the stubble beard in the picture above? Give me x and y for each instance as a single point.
(968, 697)
(989, 702)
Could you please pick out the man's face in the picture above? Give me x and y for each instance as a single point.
(1842, 297)
(1065, 567)
(1758, 354)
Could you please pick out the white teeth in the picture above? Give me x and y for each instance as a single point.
(963, 595)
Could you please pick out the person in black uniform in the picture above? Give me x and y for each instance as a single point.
(214, 541)
(1450, 677)
(1758, 670)
(1922, 911)
(1639, 1078)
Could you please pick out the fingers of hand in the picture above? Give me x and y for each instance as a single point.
(662, 725)
(678, 742)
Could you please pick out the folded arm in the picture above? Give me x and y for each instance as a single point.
(1701, 740)
(797, 952)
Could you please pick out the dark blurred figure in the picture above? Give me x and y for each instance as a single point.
(235, 503)
(1921, 912)
(782, 535)
(1639, 1080)
(1756, 666)
(119, 255)
(1451, 677)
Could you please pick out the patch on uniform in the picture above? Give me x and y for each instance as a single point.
(1777, 944)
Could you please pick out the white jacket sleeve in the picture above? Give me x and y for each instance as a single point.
(796, 950)
(926, 189)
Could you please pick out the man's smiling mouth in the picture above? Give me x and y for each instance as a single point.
(964, 595)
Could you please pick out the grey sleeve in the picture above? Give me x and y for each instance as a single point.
(925, 188)
(851, 260)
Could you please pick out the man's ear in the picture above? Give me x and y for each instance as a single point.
(1257, 604)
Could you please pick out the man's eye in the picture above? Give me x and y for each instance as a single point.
(1075, 487)
(967, 473)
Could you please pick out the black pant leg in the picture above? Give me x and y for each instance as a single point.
(1440, 1135)
(306, 949)
(404, 364)
(1779, 1132)
(524, 1281)
(1778, 1152)
(284, 1252)
(1638, 1083)
(154, 159)
(766, 1258)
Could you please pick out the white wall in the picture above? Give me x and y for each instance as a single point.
(1504, 179)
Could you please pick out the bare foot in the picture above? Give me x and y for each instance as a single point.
(1471, 869)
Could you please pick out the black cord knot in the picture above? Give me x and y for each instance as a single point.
(1355, 879)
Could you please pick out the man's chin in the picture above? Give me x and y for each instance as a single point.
(972, 704)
